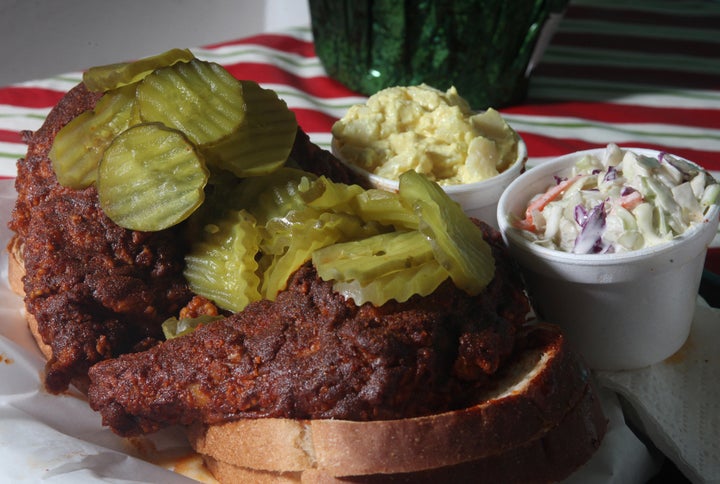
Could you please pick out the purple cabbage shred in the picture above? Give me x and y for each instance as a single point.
(627, 191)
(611, 174)
(589, 240)
(580, 214)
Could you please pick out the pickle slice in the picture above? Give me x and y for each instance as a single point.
(150, 178)
(264, 141)
(111, 76)
(386, 208)
(221, 266)
(199, 98)
(308, 223)
(241, 127)
(281, 267)
(373, 257)
(275, 195)
(79, 145)
(291, 240)
(400, 285)
(457, 242)
(325, 194)
(174, 327)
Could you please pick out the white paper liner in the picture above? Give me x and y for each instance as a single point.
(59, 439)
(676, 403)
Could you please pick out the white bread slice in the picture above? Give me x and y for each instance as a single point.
(530, 398)
(550, 458)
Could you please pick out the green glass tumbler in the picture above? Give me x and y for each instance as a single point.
(485, 48)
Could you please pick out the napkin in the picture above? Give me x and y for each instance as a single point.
(676, 403)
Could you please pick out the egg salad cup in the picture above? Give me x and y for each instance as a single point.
(478, 199)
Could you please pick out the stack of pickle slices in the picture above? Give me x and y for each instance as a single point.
(177, 140)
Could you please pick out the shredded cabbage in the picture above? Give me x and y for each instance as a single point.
(619, 201)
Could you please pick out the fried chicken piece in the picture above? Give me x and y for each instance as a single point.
(313, 354)
(95, 289)
(98, 290)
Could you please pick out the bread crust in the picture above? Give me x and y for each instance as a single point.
(551, 457)
(544, 385)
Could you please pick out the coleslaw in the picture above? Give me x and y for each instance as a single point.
(618, 202)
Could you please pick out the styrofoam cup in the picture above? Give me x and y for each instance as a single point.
(621, 311)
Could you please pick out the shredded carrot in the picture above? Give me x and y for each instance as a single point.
(631, 200)
(528, 223)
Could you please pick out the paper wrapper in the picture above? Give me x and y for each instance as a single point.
(676, 403)
(60, 439)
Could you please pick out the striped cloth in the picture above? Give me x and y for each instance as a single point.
(641, 74)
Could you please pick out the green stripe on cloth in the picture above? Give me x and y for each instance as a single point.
(600, 132)
(636, 60)
(664, 32)
(689, 8)
(636, 129)
(336, 105)
(545, 87)
(278, 57)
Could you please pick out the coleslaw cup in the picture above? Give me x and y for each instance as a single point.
(478, 199)
(621, 311)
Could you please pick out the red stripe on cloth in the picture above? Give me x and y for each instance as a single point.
(29, 97)
(621, 113)
(285, 43)
(542, 146)
(320, 87)
(7, 136)
(312, 121)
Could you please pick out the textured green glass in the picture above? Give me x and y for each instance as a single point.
(482, 47)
